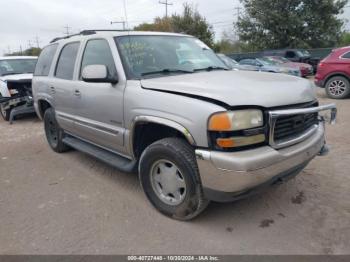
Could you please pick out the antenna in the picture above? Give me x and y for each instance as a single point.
(126, 14)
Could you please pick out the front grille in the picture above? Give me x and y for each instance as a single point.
(289, 127)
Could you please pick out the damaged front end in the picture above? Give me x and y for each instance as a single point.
(17, 100)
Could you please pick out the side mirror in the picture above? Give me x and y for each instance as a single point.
(97, 74)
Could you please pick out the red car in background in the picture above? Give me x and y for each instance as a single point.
(333, 73)
(305, 69)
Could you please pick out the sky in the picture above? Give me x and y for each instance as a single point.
(25, 23)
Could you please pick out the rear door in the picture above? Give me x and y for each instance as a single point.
(62, 86)
(99, 117)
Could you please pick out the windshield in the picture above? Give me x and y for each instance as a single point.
(155, 55)
(273, 60)
(267, 62)
(303, 53)
(279, 59)
(17, 66)
(229, 62)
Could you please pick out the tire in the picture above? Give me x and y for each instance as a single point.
(54, 134)
(5, 113)
(338, 87)
(187, 201)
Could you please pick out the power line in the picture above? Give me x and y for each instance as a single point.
(166, 6)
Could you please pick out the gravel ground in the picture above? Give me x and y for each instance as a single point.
(74, 204)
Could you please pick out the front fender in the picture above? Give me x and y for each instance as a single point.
(157, 120)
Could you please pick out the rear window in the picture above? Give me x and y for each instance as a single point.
(45, 59)
(66, 61)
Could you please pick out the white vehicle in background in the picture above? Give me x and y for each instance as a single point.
(16, 73)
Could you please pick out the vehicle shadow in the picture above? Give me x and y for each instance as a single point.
(271, 202)
(26, 118)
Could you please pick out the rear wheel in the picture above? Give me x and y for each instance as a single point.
(170, 179)
(338, 87)
(54, 134)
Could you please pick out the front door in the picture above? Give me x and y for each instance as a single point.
(99, 117)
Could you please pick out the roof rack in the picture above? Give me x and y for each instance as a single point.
(87, 32)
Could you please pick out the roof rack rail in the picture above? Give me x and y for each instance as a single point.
(88, 32)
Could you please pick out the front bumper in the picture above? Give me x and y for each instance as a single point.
(227, 176)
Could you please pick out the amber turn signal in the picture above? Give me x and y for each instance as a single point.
(220, 122)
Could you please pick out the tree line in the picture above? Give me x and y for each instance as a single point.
(264, 24)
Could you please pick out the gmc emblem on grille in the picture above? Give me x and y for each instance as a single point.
(298, 121)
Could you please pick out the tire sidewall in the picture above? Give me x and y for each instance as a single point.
(347, 91)
(189, 205)
(50, 116)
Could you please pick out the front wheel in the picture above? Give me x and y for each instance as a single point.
(170, 179)
(338, 87)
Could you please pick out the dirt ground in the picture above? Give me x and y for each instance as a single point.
(74, 204)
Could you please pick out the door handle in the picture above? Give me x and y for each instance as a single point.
(77, 92)
(52, 90)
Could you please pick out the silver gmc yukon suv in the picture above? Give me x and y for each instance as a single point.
(165, 106)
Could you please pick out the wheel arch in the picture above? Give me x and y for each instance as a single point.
(43, 105)
(342, 74)
(147, 124)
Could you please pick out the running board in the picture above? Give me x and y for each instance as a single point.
(114, 160)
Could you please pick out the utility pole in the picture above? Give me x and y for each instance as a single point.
(37, 41)
(21, 50)
(67, 30)
(166, 6)
(120, 22)
(238, 15)
(29, 44)
(238, 12)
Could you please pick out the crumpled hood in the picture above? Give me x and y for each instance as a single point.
(17, 77)
(237, 88)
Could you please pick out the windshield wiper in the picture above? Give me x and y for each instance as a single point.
(211, 68)
(167, 71)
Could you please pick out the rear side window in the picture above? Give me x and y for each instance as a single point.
(346, 55)
(98, 52)
(66, 61)
(45, 59)
(290, 54)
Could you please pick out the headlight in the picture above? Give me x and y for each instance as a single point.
(236, 120)
(228, 128)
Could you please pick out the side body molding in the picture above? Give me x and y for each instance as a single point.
(157, 120)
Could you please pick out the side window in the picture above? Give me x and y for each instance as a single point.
(45, 59)
(245, 62)
(346, 55)
(66, 61)
(98, 52)
(290, 54)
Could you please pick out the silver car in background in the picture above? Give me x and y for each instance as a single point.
(266, 65)
(234, 65)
